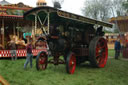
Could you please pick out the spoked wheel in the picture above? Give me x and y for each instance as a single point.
(41, 61)
(71, 63)
(98, 52)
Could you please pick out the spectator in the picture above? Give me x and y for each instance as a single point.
(29, 54)
(117, 48)
(12, 45)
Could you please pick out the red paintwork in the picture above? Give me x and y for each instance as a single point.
(20, 53)
(18, 8)
(16, 16)
(101, 52)
(72, 64)
(42, 61)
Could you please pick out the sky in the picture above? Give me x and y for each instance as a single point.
(73, 6)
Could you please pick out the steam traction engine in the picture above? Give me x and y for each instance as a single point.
(74, 37)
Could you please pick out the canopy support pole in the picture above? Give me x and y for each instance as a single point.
(18, 29)
(48, 21)
(33, 33)
(14, 29)
(2, 29)
(35, 23)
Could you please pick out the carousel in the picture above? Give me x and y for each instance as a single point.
(12, 25)
(122, 25)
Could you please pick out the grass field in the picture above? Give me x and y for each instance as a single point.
(115, 73)
(111, 53)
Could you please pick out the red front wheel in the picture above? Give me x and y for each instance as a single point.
(41, 61)
(71, 63)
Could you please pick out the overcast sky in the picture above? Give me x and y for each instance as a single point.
(73, 6)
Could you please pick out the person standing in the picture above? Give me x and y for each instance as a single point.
(117, 48)
(29, 54)
(13, 49)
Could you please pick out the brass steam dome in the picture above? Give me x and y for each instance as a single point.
(41, 3)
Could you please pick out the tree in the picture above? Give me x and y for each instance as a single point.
(103, 9)
(125, 6)
(118, 8)
(97, 9)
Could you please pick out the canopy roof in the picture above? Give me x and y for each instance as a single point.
(60, 16)
(120, 18)
(13, 10)
(121, 22)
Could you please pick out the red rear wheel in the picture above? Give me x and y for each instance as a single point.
(41, 61)
(71, 63)
(98, 52)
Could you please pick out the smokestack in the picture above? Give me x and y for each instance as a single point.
(57, 3)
